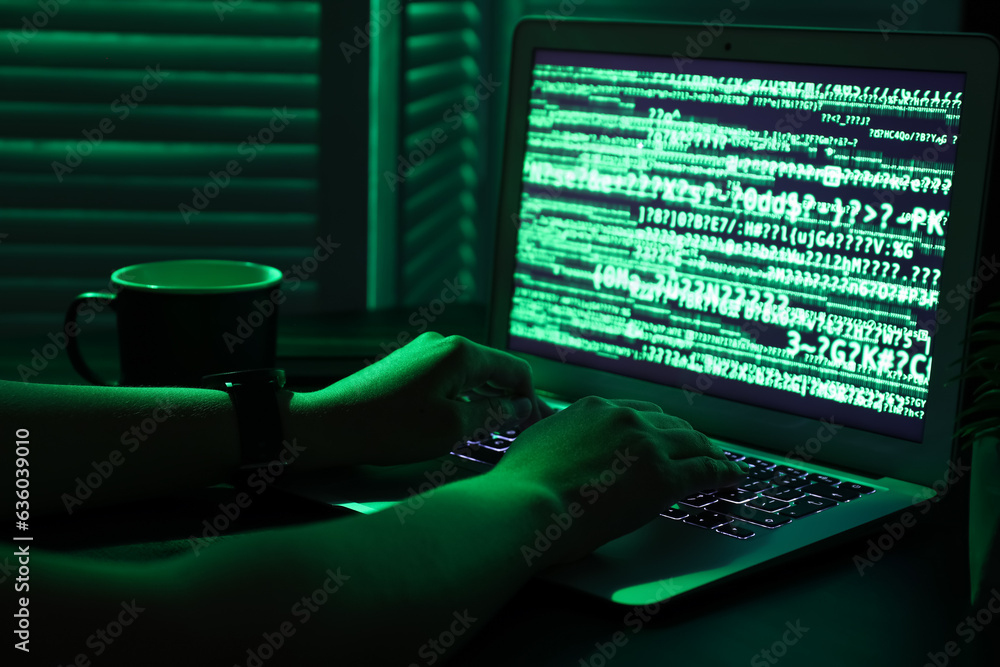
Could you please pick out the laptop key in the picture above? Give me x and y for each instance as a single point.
(860, 488)
(749, 514)
(768, 504)
(481, 454)
(822, 479)
(738, 532)
(735, 495)
(760, 475)
(807, 505)
(832, 492)
(790, 483)
(758, 463)
(707, 519)
(698, 500)
(755, 486)
(733, 456)
(674, 513)
(785, 493)
(788, 470)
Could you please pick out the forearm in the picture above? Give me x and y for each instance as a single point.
(405, 578)
(94, 446)
(364, 590)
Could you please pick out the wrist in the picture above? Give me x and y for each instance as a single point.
(540, 507)
(298, 431)
(314, 424)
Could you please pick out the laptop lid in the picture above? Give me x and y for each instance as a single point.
(772, 233)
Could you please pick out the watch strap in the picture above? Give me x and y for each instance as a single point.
(254, 395)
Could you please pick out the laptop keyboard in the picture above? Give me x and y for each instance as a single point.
(489, 450)
(772, 495)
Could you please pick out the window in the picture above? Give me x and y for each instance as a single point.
(141, 130)
(442, 222)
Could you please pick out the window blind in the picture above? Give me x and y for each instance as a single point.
(142, 130)
(442, 157)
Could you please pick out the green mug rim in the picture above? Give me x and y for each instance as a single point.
(273, 278)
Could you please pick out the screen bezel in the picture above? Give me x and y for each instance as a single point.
(876, 455)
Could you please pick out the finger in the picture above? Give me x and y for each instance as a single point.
(477, 366)
(683, 442)
(539, 408)
(487, 390)
(489, 414)
(545, 410)
(423, 340)
(702, 472)
(641, 406)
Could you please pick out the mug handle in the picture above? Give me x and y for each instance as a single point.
(72, 349)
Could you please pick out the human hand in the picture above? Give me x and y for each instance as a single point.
(419, 401)
(619, 461)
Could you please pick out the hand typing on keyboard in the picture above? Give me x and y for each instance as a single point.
(613, 464)
(413, 405)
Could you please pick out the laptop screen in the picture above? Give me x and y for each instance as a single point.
(766, 233)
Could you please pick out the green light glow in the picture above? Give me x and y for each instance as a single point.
(197, 276)
(374, 286)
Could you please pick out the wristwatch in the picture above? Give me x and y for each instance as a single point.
(254, 394)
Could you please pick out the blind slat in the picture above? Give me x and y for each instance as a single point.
(435, 47)
(247, 18)
(136, 228)
(65, 161)
(168, 52)
(155, 123)
(436, 107)
(159, 194)
(427, 17)
(429, 79)
(425, 229)
(455, 182)
(454, 156)
(221, 89)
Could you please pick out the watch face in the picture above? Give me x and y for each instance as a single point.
(258, 376)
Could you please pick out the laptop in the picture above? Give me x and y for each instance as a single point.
(771, 233)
